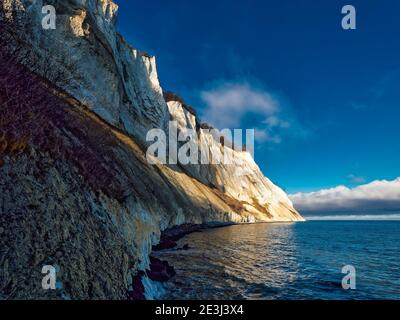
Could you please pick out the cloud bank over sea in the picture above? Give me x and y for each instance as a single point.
(379, 196)
(351, 217)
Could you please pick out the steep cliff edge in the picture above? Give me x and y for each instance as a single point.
(76, 188)
(240, 178)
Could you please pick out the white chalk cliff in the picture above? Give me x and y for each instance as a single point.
(97, 210)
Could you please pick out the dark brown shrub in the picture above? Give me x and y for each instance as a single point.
(170, 96)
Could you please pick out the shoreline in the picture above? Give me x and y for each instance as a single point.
(161, 271)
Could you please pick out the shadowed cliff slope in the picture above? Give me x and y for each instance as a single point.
(76, 188)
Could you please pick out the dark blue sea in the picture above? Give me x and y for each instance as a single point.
(287, 261)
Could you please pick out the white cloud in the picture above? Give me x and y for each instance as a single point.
(228, 104)
(265, 136)
(367, 217)
(377, 195)
(274, 121)
(355, 179)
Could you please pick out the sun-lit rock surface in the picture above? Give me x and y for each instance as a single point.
(241, 178)
(113, 79)
(77, 190)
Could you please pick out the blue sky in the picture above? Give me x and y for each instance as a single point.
(325, 101)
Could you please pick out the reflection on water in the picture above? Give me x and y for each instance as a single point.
(286, 261)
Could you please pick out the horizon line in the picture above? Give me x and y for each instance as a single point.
(354, 217)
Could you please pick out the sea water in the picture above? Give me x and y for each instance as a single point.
(287, 261)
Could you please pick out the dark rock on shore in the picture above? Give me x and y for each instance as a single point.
(165, 244)
(170, 236)
(160, 270)
(137, 292)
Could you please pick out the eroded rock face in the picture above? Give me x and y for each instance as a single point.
(240, 178)
(76, 188)
(113, 79)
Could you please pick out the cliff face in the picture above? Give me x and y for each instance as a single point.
(240, 178)
(116, 81)
(76, 188)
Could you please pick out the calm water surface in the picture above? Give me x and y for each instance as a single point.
(287, 261)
